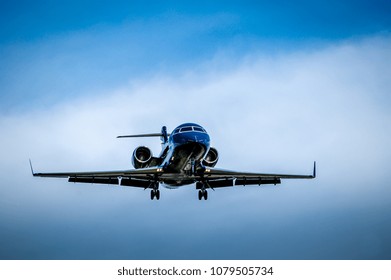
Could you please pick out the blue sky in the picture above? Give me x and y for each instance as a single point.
(106, 45)
(277, 85)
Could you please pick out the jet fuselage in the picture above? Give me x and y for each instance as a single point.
(187, 146)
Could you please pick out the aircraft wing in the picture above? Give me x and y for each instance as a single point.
(146, 177)
(217, 178)
(142, 178)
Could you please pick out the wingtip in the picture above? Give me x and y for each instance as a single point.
(314, 172)
(31, 167)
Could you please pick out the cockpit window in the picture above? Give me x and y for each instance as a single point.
(186, 128)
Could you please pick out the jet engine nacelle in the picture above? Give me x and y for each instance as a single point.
(142, 157)
(211, 158)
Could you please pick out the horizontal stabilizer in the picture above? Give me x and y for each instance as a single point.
(141, 135)
(163, 135)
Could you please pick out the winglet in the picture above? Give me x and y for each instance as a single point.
(31, 167)
(314, 172)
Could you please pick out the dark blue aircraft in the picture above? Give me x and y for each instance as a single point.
(186, 158)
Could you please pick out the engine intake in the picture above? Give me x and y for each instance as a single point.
(142, 157)
(211, 158)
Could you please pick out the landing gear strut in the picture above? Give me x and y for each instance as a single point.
(193, 169)
(202, 194)
(155, 193)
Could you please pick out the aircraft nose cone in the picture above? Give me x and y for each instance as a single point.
(191, 138)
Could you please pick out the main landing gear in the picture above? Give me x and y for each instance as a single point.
(155, 193)
(202, 194)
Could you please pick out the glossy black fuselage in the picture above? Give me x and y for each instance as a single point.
(184, 151)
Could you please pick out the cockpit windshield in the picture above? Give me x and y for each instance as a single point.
(189, 129)
(186, 128)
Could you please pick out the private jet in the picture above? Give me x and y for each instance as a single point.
(186, 158)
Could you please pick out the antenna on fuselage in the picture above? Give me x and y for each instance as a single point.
(163, 135)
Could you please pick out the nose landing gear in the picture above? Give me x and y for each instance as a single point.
(202, 194)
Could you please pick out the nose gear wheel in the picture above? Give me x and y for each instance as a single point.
(202, 194)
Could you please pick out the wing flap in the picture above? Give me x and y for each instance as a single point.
(93, 180)
(129, 182)
(257, 181)
(242, 181)
(221, 183)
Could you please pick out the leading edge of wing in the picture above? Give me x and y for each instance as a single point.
(223, 173)
(116, 173)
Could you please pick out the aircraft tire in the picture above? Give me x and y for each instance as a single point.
(205, 195)
(200, 195)
(157, 194)
(152, 194)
